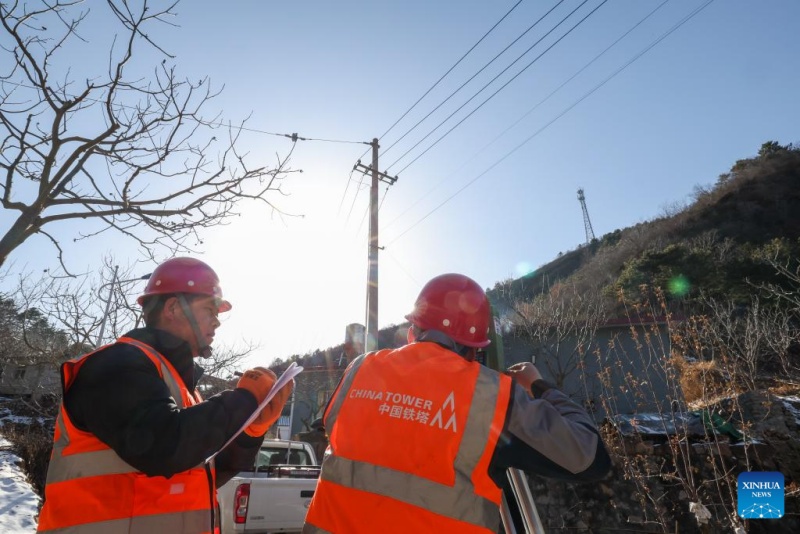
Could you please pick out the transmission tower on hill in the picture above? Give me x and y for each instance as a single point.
(586, 222)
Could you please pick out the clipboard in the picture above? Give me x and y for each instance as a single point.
(292, 371)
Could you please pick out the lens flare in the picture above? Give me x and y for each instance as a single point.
(679, 286)
(524, 268)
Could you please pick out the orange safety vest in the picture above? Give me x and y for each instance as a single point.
(412, 432)
(91, 490)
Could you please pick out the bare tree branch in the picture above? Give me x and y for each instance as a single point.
(124, 153)
(561, 323)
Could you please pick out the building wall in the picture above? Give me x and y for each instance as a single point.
(614, 361)
(624, 370)
(313, 388)
(29, 380)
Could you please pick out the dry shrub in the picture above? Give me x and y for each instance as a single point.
(701, 381)
(784, 389)
(33, 443)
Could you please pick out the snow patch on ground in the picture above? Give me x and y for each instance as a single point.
(5, 415)
(18, 502)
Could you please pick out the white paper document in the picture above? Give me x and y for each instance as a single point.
(292, 371)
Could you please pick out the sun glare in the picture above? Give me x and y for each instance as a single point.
(297, 284)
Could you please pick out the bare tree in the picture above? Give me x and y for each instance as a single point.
(55, 317)
(313, 389)
(225, 362)
(128, 153)
(70, 311)
(753, 344)
(691, 457)
(786, 264)
(561, 324)
(25, 335)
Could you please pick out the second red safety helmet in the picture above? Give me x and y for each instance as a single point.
(455, 305)
(185, 275)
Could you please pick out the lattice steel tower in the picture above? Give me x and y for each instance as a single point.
(586, 222)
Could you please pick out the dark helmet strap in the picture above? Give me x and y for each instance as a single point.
(203, 347)
(150, 303)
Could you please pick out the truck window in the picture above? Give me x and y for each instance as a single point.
(275, 456)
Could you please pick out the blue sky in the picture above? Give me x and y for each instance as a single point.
(706, 95)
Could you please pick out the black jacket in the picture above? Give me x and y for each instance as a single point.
(119, 397)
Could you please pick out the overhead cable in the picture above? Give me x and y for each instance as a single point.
(564, 112)
(293, 136)
(451, 95)
(448, 72)
(349, 178)
(347, 186)
(501, 87)
(527, 113)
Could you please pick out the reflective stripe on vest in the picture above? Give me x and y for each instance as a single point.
(90, 489)
(196, 521)
(464, 502)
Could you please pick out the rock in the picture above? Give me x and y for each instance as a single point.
(723, 449)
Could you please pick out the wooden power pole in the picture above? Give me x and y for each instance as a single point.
(371, 335)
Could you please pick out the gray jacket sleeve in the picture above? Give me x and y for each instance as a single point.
(550, 436)
(556, 427)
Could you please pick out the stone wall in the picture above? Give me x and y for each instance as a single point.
(655, 481)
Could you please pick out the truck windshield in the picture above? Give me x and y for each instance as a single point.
(276, 456)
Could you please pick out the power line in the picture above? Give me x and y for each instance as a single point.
(527, 113)
(446, 73)
(358, 188)
(587, 65)
(394, 259)
(586, 95)
(293, 136)
(419, 100)
(473, 77)
(501, 87)
(346, 187)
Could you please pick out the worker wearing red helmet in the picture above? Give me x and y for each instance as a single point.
(421, 436)
(133, 434)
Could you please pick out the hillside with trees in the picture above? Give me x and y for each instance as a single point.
(705, 302)
(721, 244)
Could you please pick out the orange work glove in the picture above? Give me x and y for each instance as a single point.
(257, 381)
(270, 413)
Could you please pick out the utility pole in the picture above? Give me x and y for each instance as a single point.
(371, 336)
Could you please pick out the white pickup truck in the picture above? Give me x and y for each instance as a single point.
(275, 495)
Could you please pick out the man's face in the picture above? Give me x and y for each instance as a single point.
(205, 311)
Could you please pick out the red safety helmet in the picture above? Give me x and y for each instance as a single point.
(456, 305)
(185, 275)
